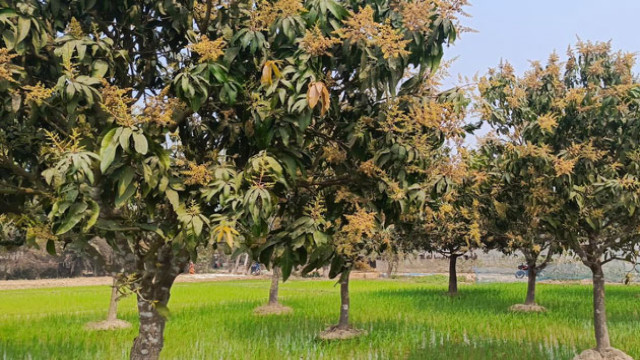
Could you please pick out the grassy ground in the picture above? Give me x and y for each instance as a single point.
(410, 319)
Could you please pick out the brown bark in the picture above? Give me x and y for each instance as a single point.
(532, 274)
(112, 315)
(599, 309)
(453, 276)
(273, 291)
(531, 286)
(343, 324)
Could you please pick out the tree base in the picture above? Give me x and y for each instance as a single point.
(272, 309)
(335, 333)
(108, 325)
(527, 308)
(605, 354)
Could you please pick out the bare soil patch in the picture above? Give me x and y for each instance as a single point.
(527, 308)
(334, 333)
(106, 280)
(108, 325)
(606, 354)
(272, 309)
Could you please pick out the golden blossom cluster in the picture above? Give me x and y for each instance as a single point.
(197, 174)
(316, 44)
(361, 27)
(37, 93)
(209, 50)
(6, 67)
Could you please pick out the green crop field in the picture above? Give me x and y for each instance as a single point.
(405, 319)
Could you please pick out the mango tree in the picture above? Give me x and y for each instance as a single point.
(521, 204)
(384, 120)
(589, 116)
(88, 108)
(451, 224)
(316, 86)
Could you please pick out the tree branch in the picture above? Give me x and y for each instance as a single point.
(328, 138)
(329, 182)
(207, 15)
(12, 190)
(7, 163)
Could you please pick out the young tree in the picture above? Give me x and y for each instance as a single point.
(521, 205)
(114, 263)
(384, 120)
(584, 124)
(452, 224)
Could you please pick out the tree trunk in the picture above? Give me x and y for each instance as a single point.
(390, 268)
(343, 324)
(273, 291)
(112, 315)
(599, 309)
(247, 264)
(157, 270)
(531, 285)
(150, 340)
(453, 276)
(237, 265)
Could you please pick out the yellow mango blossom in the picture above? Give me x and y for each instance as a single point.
(209, 50)
(547, 122)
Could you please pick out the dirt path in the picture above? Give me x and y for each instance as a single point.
(105, 280)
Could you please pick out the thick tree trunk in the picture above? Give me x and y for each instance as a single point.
(273, 291)
(599, 309)
(158, 270)
(150, 340)
(343, 324)
(112, 315)
(453, 275)
(531, 285)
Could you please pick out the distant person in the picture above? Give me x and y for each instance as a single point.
(192, 268)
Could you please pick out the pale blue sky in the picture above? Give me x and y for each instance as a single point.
(522, 30)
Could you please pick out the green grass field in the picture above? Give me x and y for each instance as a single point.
(405, 319)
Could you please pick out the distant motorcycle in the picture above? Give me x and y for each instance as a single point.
(523, 270)
(255, 269)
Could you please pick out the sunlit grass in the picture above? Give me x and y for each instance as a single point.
(410, 319)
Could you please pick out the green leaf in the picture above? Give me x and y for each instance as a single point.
(197, 225)
(121, 199)
(106, 158)
(107, 150)
(286, 264)
(99, 68)
(336, 266)
(68, 223)
(173, 198)
(124, 138)
(95, 213)
(51, 247)
(126, 176)
(140, 143)
(24, 25)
